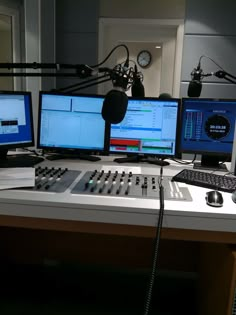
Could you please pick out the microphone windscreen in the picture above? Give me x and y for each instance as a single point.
(137, 89)
(114, 106)
(194, 88)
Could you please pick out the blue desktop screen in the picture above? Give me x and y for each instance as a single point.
(207, 126)
(71, 122)
(149, 128)
(16, 121)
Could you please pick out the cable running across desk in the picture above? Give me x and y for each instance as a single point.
(206, 180)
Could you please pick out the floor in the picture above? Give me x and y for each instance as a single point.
(70, 290)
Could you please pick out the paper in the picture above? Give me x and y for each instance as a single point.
(17, 177)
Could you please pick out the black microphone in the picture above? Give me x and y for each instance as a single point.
(194, 88)
(114, 106)
(137, 89)
(116, 101)
(195, 85)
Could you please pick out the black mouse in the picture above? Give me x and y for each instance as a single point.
(214, 198)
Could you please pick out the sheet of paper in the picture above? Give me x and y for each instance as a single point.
(17, 177)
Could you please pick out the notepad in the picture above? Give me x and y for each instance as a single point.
(17, 177)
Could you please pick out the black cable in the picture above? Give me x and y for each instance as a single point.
(211, 60)
(110, 53)
(185, 162)
(156, 246)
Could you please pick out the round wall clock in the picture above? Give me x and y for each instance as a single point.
(144, 58)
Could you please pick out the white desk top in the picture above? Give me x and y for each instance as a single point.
(195, 215)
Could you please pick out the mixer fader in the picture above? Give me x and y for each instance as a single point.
(53, 179)
(128, 185)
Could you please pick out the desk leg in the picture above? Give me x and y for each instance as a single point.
(217, 279)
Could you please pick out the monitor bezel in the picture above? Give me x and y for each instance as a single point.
(31, 143)
(75, 151)
(151, 155)
(181, 151)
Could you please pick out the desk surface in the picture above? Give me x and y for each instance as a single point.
(193, 215)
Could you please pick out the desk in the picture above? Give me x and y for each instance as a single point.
(134, 219)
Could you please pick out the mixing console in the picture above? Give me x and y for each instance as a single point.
(123, 184)
(53, 179)
(128, 185)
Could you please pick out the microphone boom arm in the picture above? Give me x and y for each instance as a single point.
(224, 75)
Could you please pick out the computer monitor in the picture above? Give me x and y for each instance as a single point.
(16, 121)
(72, 125)
(149, 129)
(207, 128)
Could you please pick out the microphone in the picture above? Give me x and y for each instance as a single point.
(195, 85)
(137, 88)
(116, 101)
(115, 106)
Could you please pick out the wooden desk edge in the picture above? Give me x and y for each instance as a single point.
(116, 229)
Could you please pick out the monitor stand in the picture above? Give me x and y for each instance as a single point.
(18, 160)
(211, 163)
(80, 156)
(139, 158)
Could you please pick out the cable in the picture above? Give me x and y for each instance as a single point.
(211, 60)
(156, 246)
(185, 162)
(110, 53)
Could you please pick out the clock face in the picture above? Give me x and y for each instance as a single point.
(144, 58)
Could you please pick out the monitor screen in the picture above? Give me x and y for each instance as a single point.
(72, 122)
(207, 128)
(16, 120)
(149, 128)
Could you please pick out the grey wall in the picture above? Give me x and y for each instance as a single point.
(47, 33)
(11, 3)
(210, 29)
(144, 9)
(76, 35)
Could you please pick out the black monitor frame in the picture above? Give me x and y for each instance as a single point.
(152, 157)
(210, 160)
(5, 147)
(80, 153)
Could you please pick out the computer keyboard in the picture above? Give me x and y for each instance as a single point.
(20, 160)
(206, 180)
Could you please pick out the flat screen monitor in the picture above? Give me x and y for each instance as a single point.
(72, 124)
(149, 129)
(16, 121)
(208, 129)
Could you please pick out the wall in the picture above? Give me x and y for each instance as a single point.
(210, 29)
(152, 73)
(145, 9)
(77, 25)
(48, 41)
(76, 35)
(6, 83)
(11, 3)
(144, 34)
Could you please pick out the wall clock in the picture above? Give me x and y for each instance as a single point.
(144, 58)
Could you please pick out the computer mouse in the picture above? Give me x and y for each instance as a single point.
(214, 198)
(234, 196)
